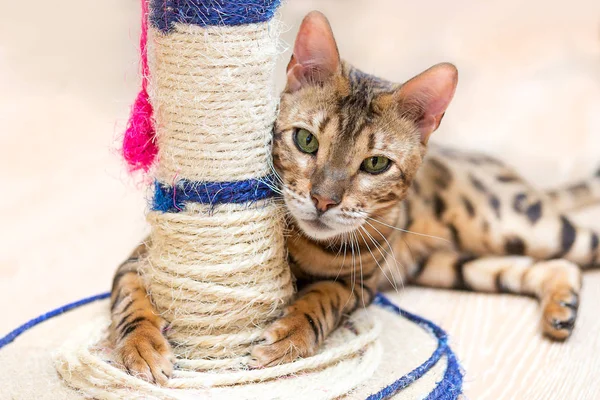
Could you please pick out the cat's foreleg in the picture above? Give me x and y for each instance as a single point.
(317, 311)
(136, 329)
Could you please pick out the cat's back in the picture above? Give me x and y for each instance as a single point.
(452, 171)
(469, 195)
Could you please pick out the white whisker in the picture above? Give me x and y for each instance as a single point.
(397, 264)
(407, 231)
(391, 281)
(352, 272)
(361, 267)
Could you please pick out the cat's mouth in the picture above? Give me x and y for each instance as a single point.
(319, 227)
(320, 230)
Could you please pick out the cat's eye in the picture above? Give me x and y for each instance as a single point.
(375, 164)
(306, 141)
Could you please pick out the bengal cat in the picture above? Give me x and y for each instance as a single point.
(368, 207)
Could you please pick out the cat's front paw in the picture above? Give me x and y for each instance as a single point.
(292, 336)
(146, 354)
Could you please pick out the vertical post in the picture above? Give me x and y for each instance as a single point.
(217, 270)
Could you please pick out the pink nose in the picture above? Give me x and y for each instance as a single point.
(323, 203)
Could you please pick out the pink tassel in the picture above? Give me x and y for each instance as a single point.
(139, 145)
(139, 149)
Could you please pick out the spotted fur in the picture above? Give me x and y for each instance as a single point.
(436, 217)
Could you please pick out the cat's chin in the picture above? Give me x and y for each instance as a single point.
(317, 230)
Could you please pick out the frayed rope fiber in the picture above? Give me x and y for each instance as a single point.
(139, 146)
(173, 198)
(139, 149)
(449, 388)
(165, 13)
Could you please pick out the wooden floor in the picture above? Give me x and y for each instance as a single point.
(529, 93)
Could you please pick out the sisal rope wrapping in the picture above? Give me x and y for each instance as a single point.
(216, 273)
(218, 311)
(212, 89)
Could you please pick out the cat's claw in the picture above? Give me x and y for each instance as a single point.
(287, 339)
(146, 354)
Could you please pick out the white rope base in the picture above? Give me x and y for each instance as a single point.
(350, 356)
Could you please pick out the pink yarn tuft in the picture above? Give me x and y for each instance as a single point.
(139, 149)
(139, 146)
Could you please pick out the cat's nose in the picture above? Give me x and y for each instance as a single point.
(324, 203)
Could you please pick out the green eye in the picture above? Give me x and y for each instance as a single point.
(306, 141)
(375, 165)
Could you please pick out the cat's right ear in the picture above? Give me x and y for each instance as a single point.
(316, 58)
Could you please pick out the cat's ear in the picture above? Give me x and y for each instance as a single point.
(316, 58)
(425, 97)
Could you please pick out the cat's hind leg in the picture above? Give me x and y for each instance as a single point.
(555, 283)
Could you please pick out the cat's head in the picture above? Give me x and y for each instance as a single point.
(347, 145)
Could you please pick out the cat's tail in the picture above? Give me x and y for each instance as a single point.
(578, 195)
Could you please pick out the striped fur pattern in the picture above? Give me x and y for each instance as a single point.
(435, 217)
(577, 195)
(136, 330)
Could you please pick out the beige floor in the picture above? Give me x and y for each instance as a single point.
(529, 92)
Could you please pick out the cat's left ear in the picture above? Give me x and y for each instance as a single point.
(316, 58)
(425, 98)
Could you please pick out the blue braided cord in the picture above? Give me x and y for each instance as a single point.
(51, 314)
(448, 389)
(450, 386)
(165, 13)
(173, 198)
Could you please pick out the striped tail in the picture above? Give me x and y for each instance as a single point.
(576, 196)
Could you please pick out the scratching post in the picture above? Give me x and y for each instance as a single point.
(216, 269)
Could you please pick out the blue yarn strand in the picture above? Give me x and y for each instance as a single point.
(51, 314)
(448, 389)
(165, 13)
(451, 385)
(173, 198)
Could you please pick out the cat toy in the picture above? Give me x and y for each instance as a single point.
(201, 127)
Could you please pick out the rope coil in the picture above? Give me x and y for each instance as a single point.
(219, 80)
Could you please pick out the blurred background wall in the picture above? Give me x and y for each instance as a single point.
(529, 93)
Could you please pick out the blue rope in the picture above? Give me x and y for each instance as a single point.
(165, 13)
(448, 389)
(173, 198)
(51, 314)
(451, 385)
